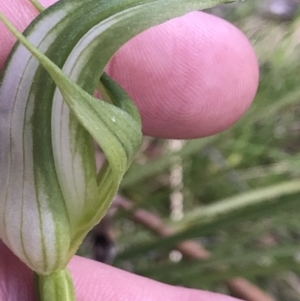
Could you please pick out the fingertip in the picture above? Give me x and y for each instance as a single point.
(190, 77)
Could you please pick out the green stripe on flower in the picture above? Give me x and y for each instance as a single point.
(50, 192)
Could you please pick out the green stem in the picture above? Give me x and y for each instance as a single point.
(57, 286)
(37, 5)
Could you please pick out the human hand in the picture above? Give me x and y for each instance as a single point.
(191, 77)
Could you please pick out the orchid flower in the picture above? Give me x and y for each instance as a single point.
(50, 192)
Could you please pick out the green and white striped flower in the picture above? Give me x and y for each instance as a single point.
(50, 192)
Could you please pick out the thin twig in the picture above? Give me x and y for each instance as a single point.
(238, 287)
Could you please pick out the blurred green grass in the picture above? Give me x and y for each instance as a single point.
(241, 188)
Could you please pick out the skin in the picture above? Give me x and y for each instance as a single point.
(191, 77)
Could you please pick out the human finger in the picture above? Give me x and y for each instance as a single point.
(190, 77)
(94, 282)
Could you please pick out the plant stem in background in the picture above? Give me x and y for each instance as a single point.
(37, 5)
(239, 287)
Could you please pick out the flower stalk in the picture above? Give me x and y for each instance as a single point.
(54, 287)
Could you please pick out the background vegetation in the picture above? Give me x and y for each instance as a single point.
(240, 189)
